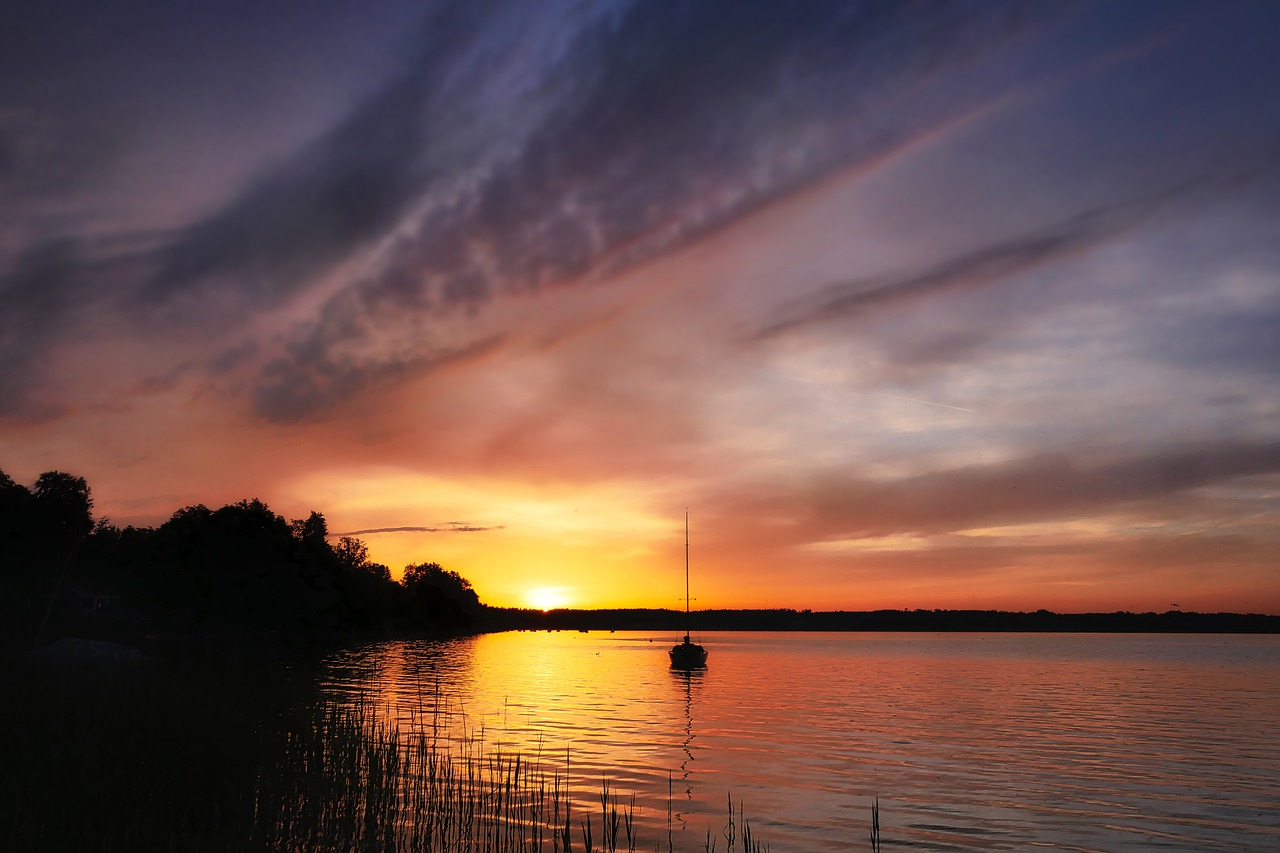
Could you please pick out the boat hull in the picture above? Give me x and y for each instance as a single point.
(688, 655)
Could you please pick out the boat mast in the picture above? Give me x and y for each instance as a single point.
(686, 574)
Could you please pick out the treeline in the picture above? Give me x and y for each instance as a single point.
(241, 569)
(989, 621)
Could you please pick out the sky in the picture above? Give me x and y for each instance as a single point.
(909, 305)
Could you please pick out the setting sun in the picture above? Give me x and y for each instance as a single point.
(547, 598)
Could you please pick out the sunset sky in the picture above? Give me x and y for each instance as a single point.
(911, 305)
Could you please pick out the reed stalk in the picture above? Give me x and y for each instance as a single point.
(249, 762)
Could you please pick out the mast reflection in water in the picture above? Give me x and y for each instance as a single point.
(1097, 742)
(685, 680)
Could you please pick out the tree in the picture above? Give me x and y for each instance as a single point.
(433, 573)
(441, 596)
(15, 504)
(65, 503)
(312, 529)
(16, 522)
(352, 552)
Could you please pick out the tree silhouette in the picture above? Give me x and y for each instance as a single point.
(441, 596)
(238, 568)
(352, 552)
(15, 524)
(311, 529)
(64, 503)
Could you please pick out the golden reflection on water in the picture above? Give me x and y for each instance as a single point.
(970, 742)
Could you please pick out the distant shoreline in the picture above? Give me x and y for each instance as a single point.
(1042, 621)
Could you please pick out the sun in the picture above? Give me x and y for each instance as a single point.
(546, 598)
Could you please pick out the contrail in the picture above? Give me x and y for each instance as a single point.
(914, 400)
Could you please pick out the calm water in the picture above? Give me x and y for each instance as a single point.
(971, 742)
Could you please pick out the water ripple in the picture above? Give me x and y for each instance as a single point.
(970, 742)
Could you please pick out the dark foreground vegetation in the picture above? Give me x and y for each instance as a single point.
(251, 758)
(228, 577)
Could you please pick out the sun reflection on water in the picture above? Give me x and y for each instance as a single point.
(968, 741)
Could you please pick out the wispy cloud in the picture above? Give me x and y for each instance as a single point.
(52, 292)
(309, 379)
(489, 169)
(1031, 488)
(999, 261)
(452, 527)
(646, 134)
(34, 302)
(337, 194)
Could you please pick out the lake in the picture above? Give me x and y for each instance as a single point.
(1083, 742)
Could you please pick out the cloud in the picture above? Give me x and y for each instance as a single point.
(452, 527)
(8, 154)
(522, 149)
(642, 134)
(995, 262)
(1041, 487)
(58, 292)
(300, 219)
(1228, 339)
(298, 387)
(47, 158)
(1121, 571)
(36, 298)
(337, 194)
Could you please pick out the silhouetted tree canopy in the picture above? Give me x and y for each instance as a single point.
(40, 527)
(64, 500)
(352, 552)
(241, 566)
(313, 528)
(15, 520)
(441, 595)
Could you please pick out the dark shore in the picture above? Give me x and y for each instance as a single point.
(1170, 622)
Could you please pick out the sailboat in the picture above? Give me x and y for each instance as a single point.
(687, 654)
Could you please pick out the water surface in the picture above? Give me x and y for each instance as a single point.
(1095, 742)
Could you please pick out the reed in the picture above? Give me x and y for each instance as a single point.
(735, 824)
(253, 761)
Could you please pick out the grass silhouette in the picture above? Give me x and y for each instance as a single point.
(249, 758)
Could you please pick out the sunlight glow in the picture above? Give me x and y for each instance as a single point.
(895, 543)
(512, 540)
(547, 598)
